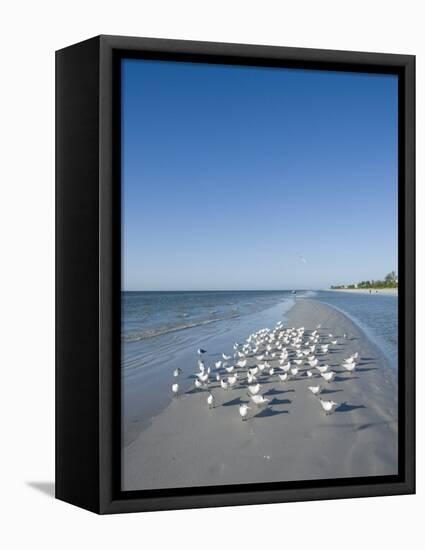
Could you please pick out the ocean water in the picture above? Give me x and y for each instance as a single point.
(375, 314)
(172, 317)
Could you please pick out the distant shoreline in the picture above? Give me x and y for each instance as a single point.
(387, 291)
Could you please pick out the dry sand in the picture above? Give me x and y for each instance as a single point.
(189, 445)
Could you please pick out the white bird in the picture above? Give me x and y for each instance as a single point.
(243, 411)
(315, 390)
(218, 378)
(349, 360)
(175, 388)
(253, 390)
(224, 384)
(203, 377)
(226, 357)
(210, 400)
(232, 380)
(334, 342)
(328, 406)
(260, 357)
(230, 369)
(283, 377)
(271, 371)
(350, 367)
(217, 364)
(242, 363)
(286, 367)
(322, 369)
(201, 351)
(177, 373)
(298, 361)
(314, 362)
(328, 376)
(259, 400)
(198, 384)
(309, 373)
(253, 371)
(294, 371)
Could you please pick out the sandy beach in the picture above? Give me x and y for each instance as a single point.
(384, 291)
(187, 444)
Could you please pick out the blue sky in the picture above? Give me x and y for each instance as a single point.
(256, 178)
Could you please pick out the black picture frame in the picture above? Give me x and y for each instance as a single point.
(88, 241)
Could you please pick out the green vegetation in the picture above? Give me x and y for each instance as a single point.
(390, 281)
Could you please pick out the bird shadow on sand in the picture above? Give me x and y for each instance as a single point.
(233, 402)
(273, 391)
(345, 407)
(345, 379)
(367, 369)
(326, 391)
(265, 413)
(196, 390)
(276, 401)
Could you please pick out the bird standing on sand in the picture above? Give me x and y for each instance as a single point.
(322, 369)
(224, 384)
(283, 377)
(175, 389)
(232, 380)
(350, 367)
(201, 351)
(328, 376)
(259, 400)
(253, 390)
(251, 378)
(210, 400)
(243, 411)
(315, 390)
(177, 372)
(328, 406)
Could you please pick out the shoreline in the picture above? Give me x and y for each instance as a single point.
(371, 291)
(147, 387)
(187, 444)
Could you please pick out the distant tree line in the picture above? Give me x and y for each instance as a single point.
(390, 281)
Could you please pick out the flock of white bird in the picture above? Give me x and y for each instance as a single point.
(295, 352)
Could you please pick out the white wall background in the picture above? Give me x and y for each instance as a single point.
(30, 32)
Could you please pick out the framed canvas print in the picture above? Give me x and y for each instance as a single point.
(235, 274)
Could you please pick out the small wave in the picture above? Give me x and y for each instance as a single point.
(153, 333)
(307, 294)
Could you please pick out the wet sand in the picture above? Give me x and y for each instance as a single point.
(187, 444)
